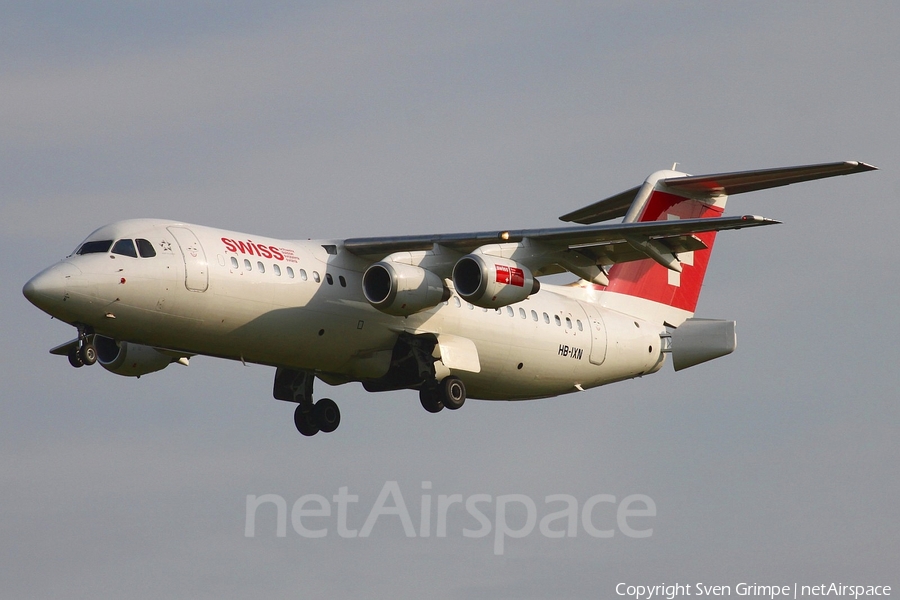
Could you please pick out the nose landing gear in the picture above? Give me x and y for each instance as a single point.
(82, 352)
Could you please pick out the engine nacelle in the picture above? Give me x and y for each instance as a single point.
(402, 290)
(129, 360)
(491, 282)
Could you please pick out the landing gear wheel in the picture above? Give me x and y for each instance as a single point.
(430, 399)
(88, 353)
(305, 422)
(452, 392)
(327, 415)
(75, 357)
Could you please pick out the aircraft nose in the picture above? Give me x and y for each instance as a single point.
(49, 286)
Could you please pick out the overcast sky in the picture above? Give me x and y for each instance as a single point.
(775, 465)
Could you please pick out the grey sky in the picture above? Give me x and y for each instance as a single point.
(776, 464)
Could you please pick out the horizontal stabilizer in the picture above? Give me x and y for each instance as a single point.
(604, 210)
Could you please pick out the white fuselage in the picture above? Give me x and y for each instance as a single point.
(300, 305)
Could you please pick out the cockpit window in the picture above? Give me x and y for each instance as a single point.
(145, 248)
(95, 247)
(125, 248)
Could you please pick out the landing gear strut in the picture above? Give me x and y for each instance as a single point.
(310, 417)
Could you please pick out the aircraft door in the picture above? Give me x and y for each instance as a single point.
(196, 269)
(598, 334)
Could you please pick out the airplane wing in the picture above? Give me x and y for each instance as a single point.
(597, 246)
(611, 240)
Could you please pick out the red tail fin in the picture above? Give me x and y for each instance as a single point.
(648, 279)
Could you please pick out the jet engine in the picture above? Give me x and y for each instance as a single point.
(402, 290)
(491, 282)
(130, 360)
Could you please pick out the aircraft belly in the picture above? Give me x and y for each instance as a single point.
(521, 358)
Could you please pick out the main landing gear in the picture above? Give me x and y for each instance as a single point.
(449, 392)
(310, 417)
(324, 416)
(83, 351)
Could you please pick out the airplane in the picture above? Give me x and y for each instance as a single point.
(454, 316)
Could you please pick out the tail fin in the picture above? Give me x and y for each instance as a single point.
(648, 279)
(646, 286)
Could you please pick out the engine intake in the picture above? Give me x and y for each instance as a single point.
(402, 290)
(491, 282)
(129, 360)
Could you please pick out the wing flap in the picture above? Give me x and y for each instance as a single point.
(610, 253)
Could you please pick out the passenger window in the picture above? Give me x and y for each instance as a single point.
(510, 311)
(260, 266)
(546, 318)
(456, 301)
(145, 248)
(578, 322)
(95, 247)
(125, 248)
(277, 270)
(302, 274)
(247, 265)
(558, 322)
(568, 323)
(290, 273)
(329, 278)
(234, 263)
(534, 316)
(522, 312)
(316, 276)
(342, 280)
